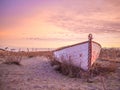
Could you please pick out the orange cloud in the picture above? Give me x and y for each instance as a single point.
(61, 23)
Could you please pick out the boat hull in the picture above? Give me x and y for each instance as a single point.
(81, 55)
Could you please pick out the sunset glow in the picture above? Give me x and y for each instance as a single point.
(56, 23)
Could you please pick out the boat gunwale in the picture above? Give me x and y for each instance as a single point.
(61, 48)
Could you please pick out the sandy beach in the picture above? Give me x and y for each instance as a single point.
(37, 74)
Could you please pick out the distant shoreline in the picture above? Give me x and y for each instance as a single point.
(27, 49)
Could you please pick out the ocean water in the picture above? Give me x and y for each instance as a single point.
(26, 49)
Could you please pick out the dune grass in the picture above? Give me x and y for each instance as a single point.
(73, 71)
(110, 54)
(12, 58)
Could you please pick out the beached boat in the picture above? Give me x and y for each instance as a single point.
(81, 55)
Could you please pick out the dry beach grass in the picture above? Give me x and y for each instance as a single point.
(36, 73)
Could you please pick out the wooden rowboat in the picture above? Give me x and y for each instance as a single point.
(81, 55)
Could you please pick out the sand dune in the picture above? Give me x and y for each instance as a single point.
(37, 74)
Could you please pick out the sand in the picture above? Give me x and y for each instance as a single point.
(37, 74)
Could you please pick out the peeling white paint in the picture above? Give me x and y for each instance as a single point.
(77, 55)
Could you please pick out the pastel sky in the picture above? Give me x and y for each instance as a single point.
(56, 23)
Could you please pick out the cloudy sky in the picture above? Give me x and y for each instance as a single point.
(56, 23)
